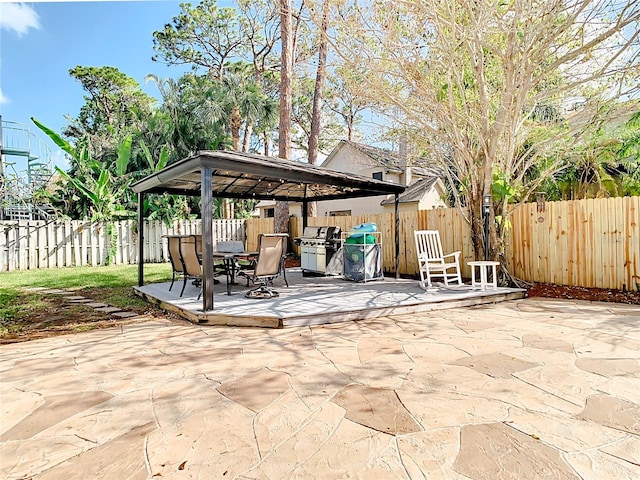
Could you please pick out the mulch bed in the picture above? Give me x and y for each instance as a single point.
(582, 293)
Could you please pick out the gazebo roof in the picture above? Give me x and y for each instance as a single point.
(244, 175)
(226, 174)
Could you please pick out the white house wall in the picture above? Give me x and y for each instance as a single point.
(432, 199)
(351, 160)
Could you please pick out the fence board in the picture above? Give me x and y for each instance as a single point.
(632, 254)
(543, 258)
(33, 253)
(584, 265)
(616, 217)
(596, 229)
(255, 227)
(11, 248)
(22, 244)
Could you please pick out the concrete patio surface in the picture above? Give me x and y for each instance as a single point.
(523, 389)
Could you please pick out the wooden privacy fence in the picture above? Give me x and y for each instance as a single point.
(38, 244)
(589, 243)
(454, 231)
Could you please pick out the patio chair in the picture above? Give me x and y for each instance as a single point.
(190, 259)
(431, 260)
(272, 253)
(191, 267)
(174, 257)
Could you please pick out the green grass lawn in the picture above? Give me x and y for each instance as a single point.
(111, 285)
(114, 276)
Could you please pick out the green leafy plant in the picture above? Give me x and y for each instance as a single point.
(98, 186)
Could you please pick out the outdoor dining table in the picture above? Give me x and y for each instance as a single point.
(229, 260)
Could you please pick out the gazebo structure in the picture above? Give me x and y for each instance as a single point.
(229, 174)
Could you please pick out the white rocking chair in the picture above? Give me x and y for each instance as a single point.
(431, 260)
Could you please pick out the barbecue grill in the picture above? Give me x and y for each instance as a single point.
(317, 247)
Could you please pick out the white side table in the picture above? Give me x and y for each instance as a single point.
(483, 267)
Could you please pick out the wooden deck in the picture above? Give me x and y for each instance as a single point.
(317, 300)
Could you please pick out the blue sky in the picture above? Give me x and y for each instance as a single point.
(40, 42)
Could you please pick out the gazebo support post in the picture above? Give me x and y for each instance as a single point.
(305, 213)
(397, 235)
(140, 239)
(206, 207)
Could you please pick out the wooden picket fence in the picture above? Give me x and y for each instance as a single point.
(39, 244)
(590, 243)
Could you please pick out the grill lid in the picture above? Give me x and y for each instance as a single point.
(323, 234)
(311, 232)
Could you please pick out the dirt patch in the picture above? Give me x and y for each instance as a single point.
(583, 293)
(56, 316)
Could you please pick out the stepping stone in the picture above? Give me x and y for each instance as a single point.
(125, 314)
(496, 451)
(108, 309)
(376, 408)
(55, 409)
(96, 305)
(546, 343)
(84, 300)
(612, 412)
(54, 291)
(610, 367)
(372, 347)
(495, 365)
(98, 461)
(244, 390)
(74, 297)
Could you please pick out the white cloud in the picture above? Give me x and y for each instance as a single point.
(3, 99)
(18, 17)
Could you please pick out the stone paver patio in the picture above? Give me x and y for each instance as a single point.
(525, 389)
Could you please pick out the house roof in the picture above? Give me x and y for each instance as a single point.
(390, 160)
(414, 192)
(244, 175)
(427, 172)
(385, 158)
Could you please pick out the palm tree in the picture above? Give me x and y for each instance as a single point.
(630, 153)
(244, 101)
(194, 116)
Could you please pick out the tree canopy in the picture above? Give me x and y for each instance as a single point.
(470, 82)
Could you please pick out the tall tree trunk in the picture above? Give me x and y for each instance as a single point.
(284, 131)
(247, 136)
(235, 122)
(316, 112)
(266, 140)
(229, 209)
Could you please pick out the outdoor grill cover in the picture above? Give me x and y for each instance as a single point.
(362, 262)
